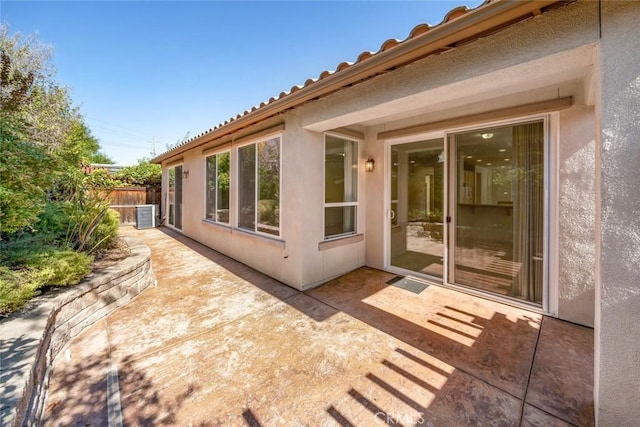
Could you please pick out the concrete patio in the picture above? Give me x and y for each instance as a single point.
(217, 343)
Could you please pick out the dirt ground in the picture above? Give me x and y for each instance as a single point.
(116, 253)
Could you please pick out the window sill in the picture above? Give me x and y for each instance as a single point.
(262, 238)
(220, 225)
(340, 241)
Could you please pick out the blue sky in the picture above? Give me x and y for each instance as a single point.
(162, 69)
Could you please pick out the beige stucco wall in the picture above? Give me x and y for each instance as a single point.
(617, 354)
(539, 59)
(277, 257)
(295, 257)
(463, 80)
(542, 58)
(576, 222)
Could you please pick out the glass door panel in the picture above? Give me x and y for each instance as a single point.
(417, 205)
(498, 210)
(175, 196)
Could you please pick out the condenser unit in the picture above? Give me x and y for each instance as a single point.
(147, 216)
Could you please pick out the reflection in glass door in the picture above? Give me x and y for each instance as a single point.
(417, 205)
(498, 208)
(175, 196)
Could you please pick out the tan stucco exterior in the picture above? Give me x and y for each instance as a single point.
(617, 346)
(593, 170)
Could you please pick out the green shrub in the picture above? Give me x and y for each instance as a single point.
(16, 288)
(52, 223)
(105, 232)
(50, 265)
(26, 269)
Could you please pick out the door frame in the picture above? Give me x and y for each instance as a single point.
(387, 206)
(550, 292)
(168, 201)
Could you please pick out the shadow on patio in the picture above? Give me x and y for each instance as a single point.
(219, 343)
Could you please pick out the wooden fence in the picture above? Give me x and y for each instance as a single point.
(125, 199)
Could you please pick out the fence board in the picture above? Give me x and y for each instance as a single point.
(125, 199)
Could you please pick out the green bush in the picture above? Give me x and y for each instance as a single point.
(105, 232)
(16, 288)
(52, 223)
(26, 269)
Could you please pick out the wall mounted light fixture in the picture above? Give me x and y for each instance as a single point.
(185, 174)
(369, 164)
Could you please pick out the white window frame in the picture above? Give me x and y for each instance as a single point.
(550, 300)
(236, 176)
(356, 204)
(206, 186)
(168, 202)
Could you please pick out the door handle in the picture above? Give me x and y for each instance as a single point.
(392, 213)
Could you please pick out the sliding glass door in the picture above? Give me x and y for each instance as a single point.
(417, 206)
(175, 196)
(497, 207)
(473, 214)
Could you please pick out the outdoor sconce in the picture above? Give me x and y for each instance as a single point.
(185, 174)
(368, 166)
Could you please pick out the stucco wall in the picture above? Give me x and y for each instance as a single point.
(576, 223)
(617, 372)
(322, 265)
(539, 59)
(277, 257)
(445, 77)
(573, 29)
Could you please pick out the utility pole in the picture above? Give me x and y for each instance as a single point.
(153, 145)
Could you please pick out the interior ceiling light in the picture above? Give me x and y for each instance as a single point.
(479, 160)
(469, 157)
(487, 135)
(502, 150)
(506, 160)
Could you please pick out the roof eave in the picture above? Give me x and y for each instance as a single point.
(480, 20)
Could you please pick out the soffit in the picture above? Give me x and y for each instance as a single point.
(554, 76)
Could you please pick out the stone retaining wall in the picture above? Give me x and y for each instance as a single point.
(31, 338)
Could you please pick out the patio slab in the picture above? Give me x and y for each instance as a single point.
(216, 343)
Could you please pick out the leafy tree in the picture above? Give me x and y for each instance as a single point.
(23, 179)
(23, 65)
(52, 220)
(143, 174)
(43, 137)
(79, 146)
(101, 178)
(101, 158)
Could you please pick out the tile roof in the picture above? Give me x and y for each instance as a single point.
(365, 56)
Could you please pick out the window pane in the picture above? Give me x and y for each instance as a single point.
(178, 198)
(223, 188)
(340, 170)
(210, 207)
(172, 195)
(500, 210)
(247, 187)
(339, 220)
(269, 186)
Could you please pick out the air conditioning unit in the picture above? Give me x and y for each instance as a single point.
(147, 216)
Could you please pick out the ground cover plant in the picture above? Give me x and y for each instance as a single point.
(54, 219)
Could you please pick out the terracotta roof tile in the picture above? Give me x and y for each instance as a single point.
(417, 31)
